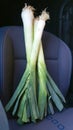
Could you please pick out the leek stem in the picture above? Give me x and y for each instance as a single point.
(27, 16)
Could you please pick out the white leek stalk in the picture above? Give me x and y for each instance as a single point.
(27, 16)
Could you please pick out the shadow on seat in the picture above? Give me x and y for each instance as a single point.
(12, 65)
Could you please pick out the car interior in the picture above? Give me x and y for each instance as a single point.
(58, 51)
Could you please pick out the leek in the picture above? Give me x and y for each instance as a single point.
(36, 92)
(26, 90)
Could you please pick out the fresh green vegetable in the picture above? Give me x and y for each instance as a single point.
(36, 92)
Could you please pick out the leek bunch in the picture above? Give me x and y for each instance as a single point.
(36, 92)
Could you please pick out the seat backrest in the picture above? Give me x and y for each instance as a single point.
(57, 57)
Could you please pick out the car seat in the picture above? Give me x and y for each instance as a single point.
(12, 65)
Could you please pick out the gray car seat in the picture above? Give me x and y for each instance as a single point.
(12, 65)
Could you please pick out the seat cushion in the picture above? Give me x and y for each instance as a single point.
(3, 119)
(58, 121)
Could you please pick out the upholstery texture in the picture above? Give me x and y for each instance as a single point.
(12, 65)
